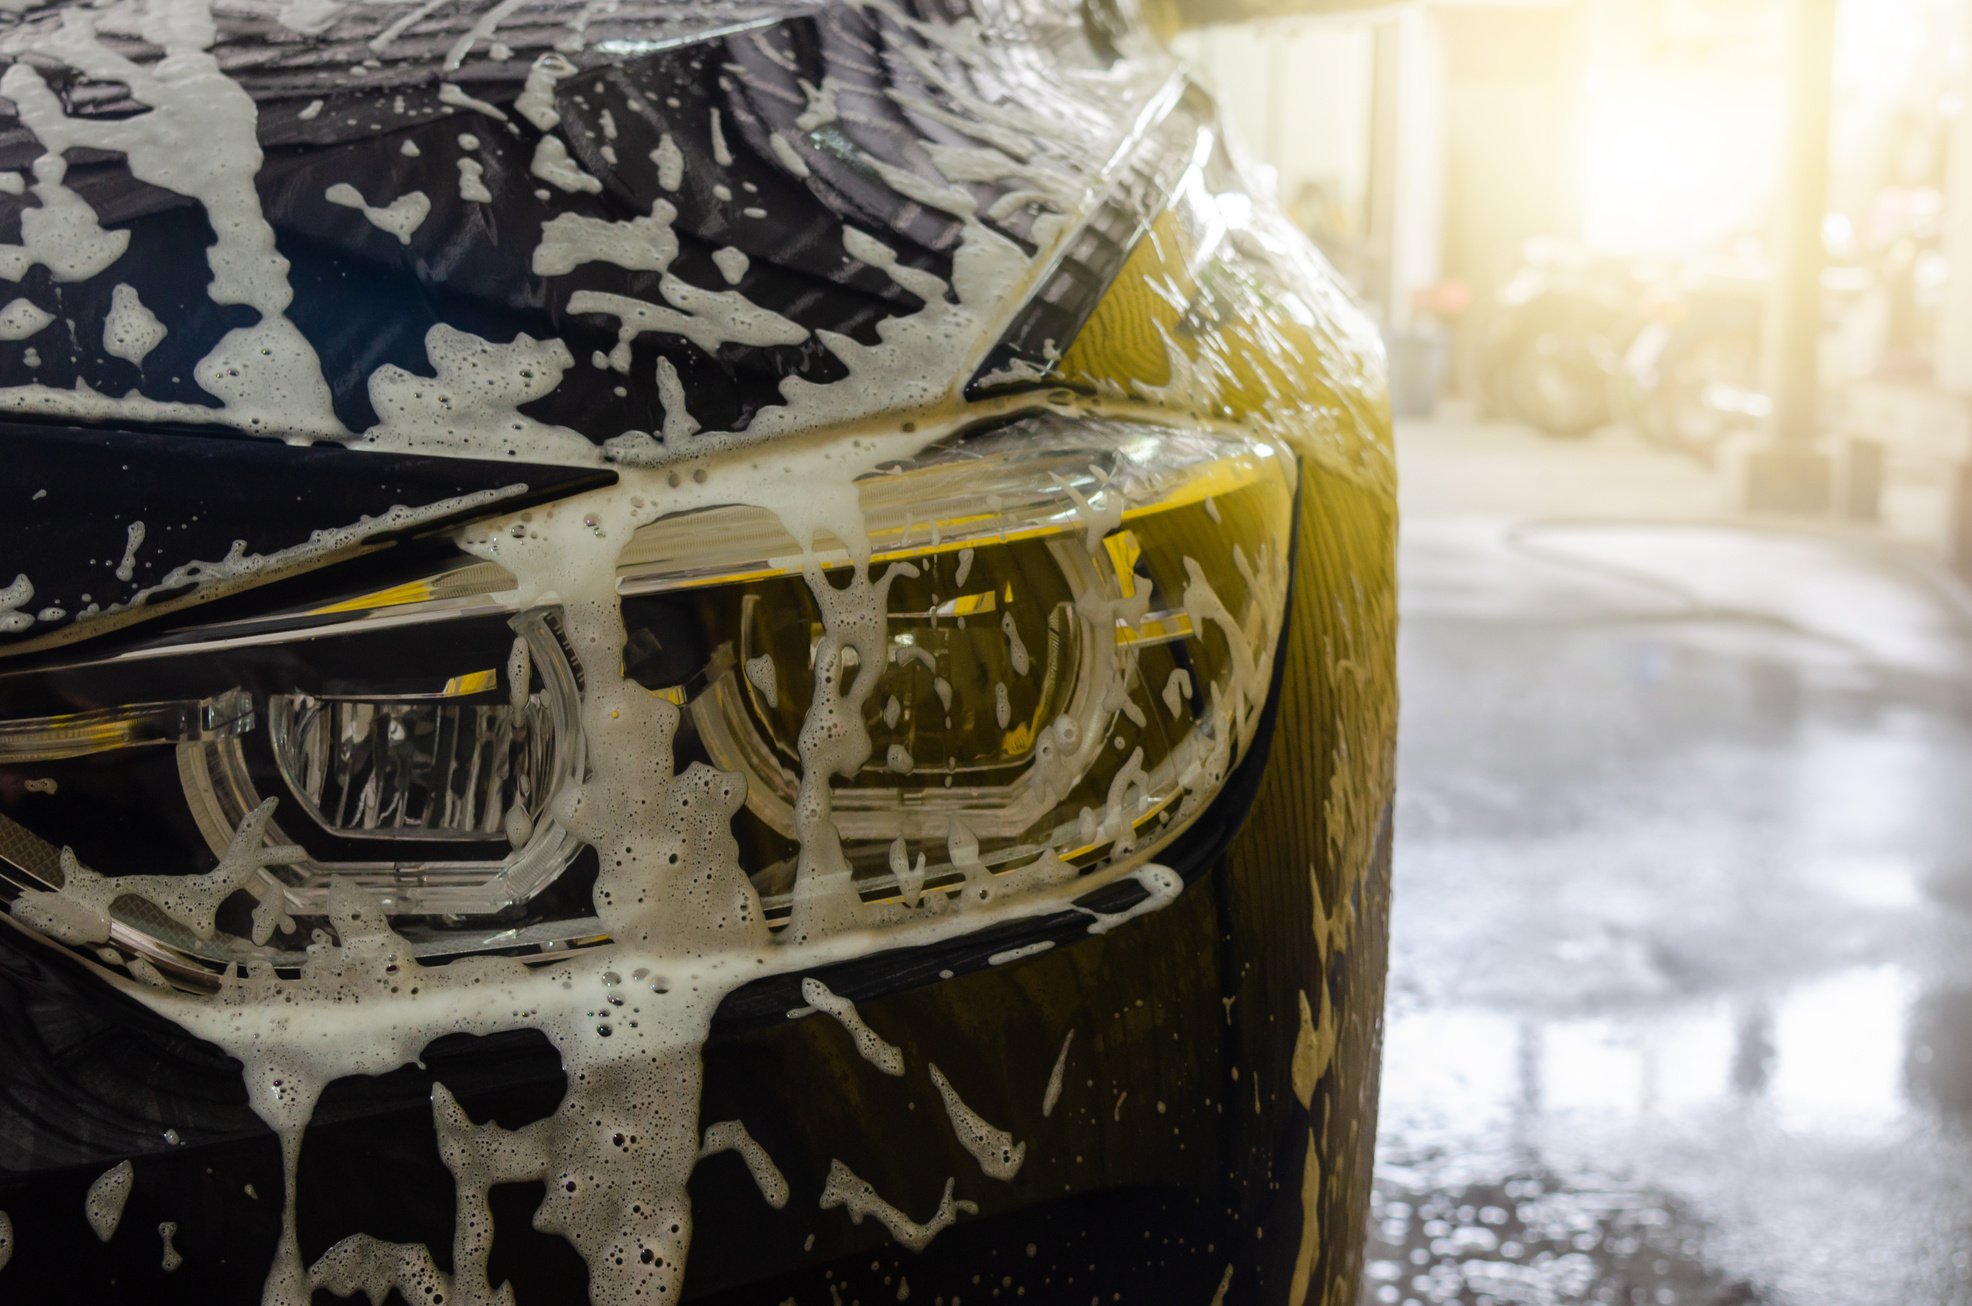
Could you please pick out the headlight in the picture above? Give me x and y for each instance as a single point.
(1082, 614)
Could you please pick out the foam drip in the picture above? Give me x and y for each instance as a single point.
(1053, 1094)
(732, 1136)
(871, 1045)
(103, 1204)
(998, 1155)
(400, 217)
(858, 1197)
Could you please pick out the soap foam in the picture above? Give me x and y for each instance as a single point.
(998, 1155)
(103, 1203)
(671, 893)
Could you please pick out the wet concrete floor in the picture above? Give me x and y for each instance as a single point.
(1681, 975)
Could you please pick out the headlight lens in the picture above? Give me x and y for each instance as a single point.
(1081, 618)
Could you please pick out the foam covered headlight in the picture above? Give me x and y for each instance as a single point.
(1080, 622)
(1081, 619)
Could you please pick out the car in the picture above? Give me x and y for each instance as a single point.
(719, 652)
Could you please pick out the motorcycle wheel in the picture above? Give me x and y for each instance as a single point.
(1558, 385)
(1703, 388)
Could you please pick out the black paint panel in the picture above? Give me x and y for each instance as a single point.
(69, 495)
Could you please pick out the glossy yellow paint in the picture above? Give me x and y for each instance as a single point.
(1224, 313)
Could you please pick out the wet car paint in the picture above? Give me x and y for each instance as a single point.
(1232, 1156)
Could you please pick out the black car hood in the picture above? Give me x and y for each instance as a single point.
(542, 235)
(519, 206)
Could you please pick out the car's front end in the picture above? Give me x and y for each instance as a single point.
(663, 652)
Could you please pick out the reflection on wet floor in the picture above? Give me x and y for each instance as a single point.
(1527, 1238)
(1681, 979)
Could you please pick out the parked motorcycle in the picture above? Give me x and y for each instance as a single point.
(1690, 377)
(1562, 326)
(1672, 351)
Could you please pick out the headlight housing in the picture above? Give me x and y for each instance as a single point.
(1082, 614)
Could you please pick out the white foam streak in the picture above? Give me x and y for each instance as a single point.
(732, 1136)
(131, 331)
(857, 1196)
(103, 1203)
(1053, 1094)
(885, 1056)
(998, 1155)
(400, 217)
(199, 138)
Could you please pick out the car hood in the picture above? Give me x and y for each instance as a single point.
(527, 239)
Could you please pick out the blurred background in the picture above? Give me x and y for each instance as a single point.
(1678, 301)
